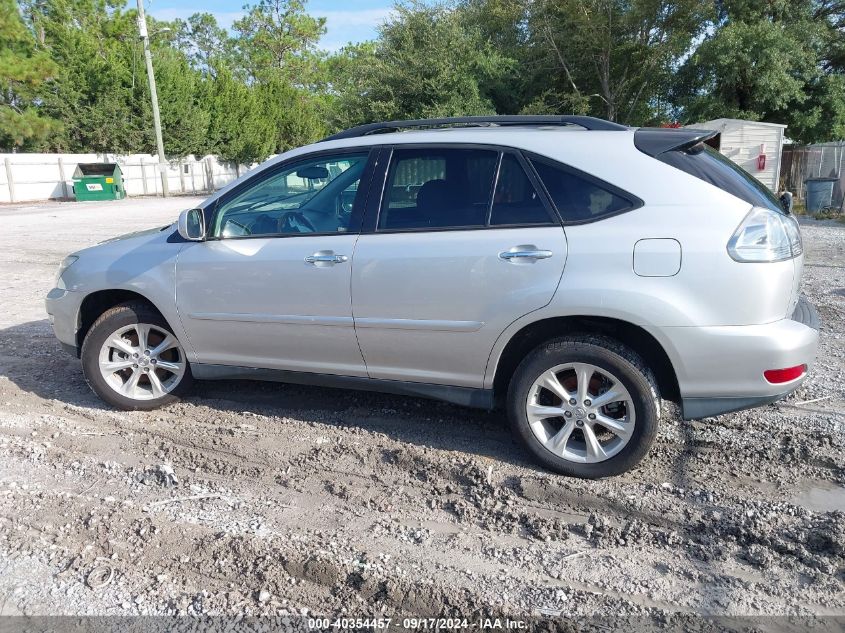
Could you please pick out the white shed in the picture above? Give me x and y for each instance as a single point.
(744, 142)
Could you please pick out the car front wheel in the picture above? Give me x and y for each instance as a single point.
(132, 360)
(584, 406)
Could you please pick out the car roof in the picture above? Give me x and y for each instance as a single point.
(518, 137)
(439, 135)
(499, 121)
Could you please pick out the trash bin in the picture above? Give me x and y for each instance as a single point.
(98, 181)
(819, 193)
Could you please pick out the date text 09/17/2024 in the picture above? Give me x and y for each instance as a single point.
(423, 624)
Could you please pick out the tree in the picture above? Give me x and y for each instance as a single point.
(98, 89)
(278, 39)
(24, 74)
(180, 98)
(779, 61)
(204, 42)
(296, 116)
(612, 58)
(266, 87)
(504, 24)
(239, 129)
(747, 70)
(243, 98)
(349, 83)
(427, 63)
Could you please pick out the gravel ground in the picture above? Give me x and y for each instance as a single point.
(258, 499)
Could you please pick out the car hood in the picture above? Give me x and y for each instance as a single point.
(131, 242)
(124, 262)
(128, 236)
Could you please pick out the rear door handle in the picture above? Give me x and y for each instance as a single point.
(518, 253)
(324, 257)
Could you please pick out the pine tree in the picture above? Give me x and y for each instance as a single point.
(24, 73)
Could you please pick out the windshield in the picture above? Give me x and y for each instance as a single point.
(705, 163)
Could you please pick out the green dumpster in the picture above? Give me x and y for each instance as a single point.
(98, 181)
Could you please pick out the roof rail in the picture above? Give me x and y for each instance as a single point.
(586, 122)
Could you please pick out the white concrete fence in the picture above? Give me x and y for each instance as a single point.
(32, 177)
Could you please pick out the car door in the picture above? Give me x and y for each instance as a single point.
(269, 287)
(461, 244)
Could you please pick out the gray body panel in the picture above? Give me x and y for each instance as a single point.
(143, 263)
(442, 298)
(257, 302)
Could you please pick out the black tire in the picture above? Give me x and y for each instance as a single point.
(607, 354)
(108, 323)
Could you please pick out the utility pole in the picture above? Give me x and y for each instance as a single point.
(145, 39)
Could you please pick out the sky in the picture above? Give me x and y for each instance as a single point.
(346, 20)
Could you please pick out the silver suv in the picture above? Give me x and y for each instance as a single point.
(573, 270)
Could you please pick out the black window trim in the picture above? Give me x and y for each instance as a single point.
(357, 219)
(548, 203)
(634, 202)
(500, 156)
(379, 181)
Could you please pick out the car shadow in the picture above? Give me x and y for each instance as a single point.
(32, 359)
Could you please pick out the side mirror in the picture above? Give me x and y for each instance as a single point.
(192, 225)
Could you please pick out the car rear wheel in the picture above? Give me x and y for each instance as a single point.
(132, 360)
(584, 406)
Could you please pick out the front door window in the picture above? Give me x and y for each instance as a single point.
(315, 196)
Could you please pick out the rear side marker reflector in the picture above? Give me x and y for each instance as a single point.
(777, 376)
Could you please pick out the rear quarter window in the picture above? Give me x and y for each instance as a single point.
(580, 197)
(707, 164)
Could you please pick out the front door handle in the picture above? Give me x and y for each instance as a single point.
(523, 253)
(325, 258)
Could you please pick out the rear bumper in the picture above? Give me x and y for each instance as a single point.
(720, 369)
(806, 313)
(697, 408)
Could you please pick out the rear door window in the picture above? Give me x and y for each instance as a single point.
(516, 200)
(438, 188)
(707, 164)
(578, 197)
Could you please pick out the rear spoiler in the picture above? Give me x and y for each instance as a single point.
(658, 140)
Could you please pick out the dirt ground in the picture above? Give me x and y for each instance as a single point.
(254, 499)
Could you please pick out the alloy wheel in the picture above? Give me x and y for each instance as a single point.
(142, 361)
(581, 412)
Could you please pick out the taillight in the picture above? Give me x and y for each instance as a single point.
(794, 233)
(777, 376)
(765, 236)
